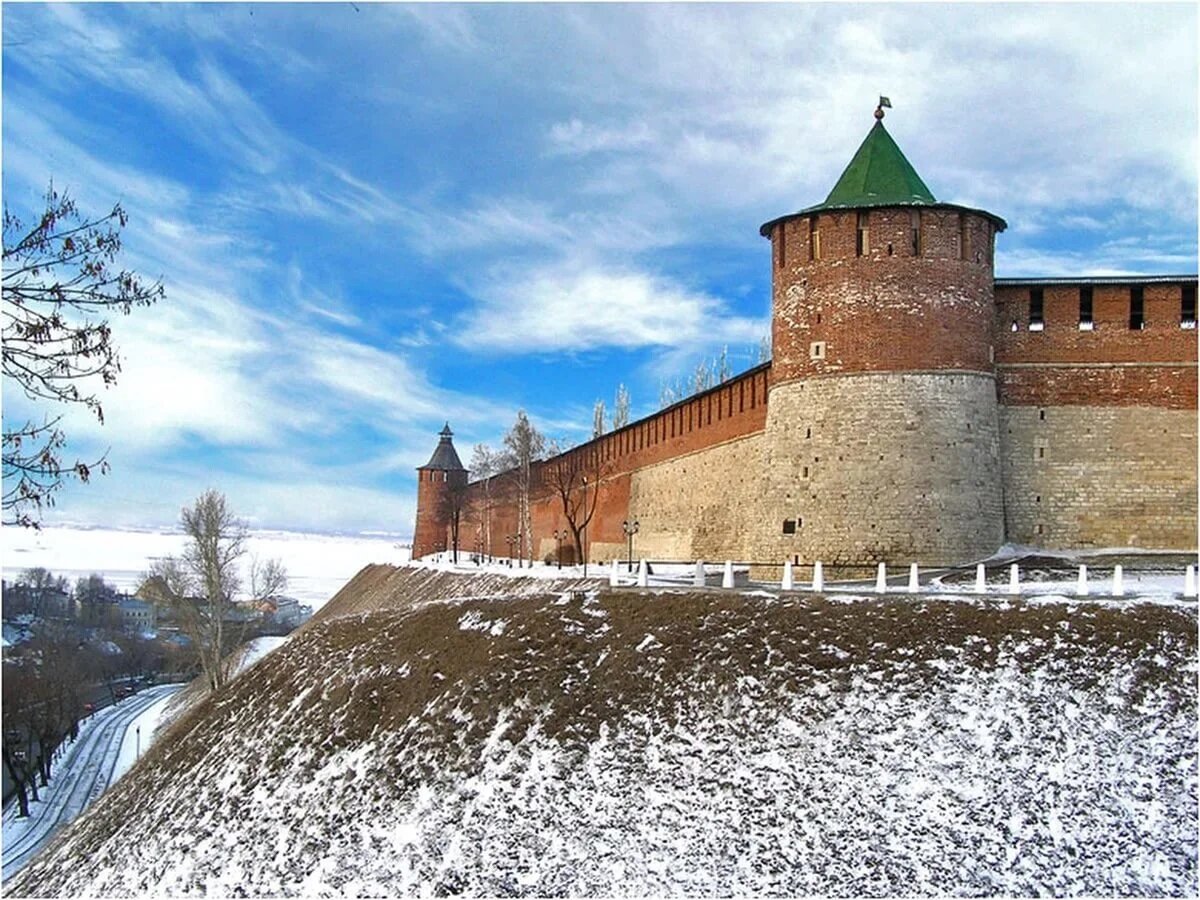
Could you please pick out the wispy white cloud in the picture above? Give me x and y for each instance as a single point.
(574, 305)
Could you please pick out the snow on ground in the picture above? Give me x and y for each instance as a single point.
(1059, 582)
(711, 744)
(255, 650)
(318, 565)
(139, 737)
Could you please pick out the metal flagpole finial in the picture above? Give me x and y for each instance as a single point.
(884, 103)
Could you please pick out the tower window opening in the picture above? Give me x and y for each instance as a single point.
(1137, 308)
(789, 526)
(814, 240)
(962, 236)
(808, 432)
(816, 350)
(1086, 323)
(1187, 307)
(863, 245)
(782, 245)
(916, 232)
(1037, 309)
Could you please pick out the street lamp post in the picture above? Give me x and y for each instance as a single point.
(630, 530)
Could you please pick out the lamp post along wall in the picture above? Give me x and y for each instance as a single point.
(630, 529)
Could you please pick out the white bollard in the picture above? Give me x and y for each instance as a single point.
(1189, 582)
(914, 579)
(881, 579)
(612, 575)
(980, 579)
(727, 580)
(1118, 582)
(1081, 588)
(643, 574)
(1014, 579)
(818, 576)
(698, 578)
(787, 576)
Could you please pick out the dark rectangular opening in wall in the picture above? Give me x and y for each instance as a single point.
(1187, 307)
(782, 244)
(916, 232)
(1085, 308)
(789, 526)
(1137, 308)
(1037, 309)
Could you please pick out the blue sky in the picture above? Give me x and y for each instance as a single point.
(369, 220)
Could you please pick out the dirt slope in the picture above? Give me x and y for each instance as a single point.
(633, 743)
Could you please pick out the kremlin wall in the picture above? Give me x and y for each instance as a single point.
(915, 409)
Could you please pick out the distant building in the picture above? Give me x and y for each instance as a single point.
(137, 616)
(47, 601)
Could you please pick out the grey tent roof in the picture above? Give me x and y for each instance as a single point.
(445, 458)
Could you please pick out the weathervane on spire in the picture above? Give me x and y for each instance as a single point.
(884, 103)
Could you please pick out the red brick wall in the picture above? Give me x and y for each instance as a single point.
(731, 410)
(430, 534)
(891, 308)
(1111, 365)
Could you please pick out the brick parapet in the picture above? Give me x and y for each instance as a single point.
(1107, 363)
(882, 304)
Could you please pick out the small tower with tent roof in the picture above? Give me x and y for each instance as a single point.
(436, 480)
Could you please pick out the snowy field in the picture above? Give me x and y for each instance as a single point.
(714, 743)
(318, 565)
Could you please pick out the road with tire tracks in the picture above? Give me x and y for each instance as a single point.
(83, 773)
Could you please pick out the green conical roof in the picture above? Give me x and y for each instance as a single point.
(878, 175)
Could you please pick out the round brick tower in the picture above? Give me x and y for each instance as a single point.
(435, 481)
(882, 429)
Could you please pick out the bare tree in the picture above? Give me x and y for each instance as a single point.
(453, 503)
(38, 584)
(598, 419)
(620, 415)
(94, 597)
(201, 585)
(19, 688)
(58, 284)
(526, 445)
(268, 579)
(574, 477)
(484, 466)
(722, 370)
(764, 348)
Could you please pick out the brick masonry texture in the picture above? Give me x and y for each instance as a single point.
(1099, 476)
(890, 309)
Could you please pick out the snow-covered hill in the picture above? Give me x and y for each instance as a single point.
(651, 743)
